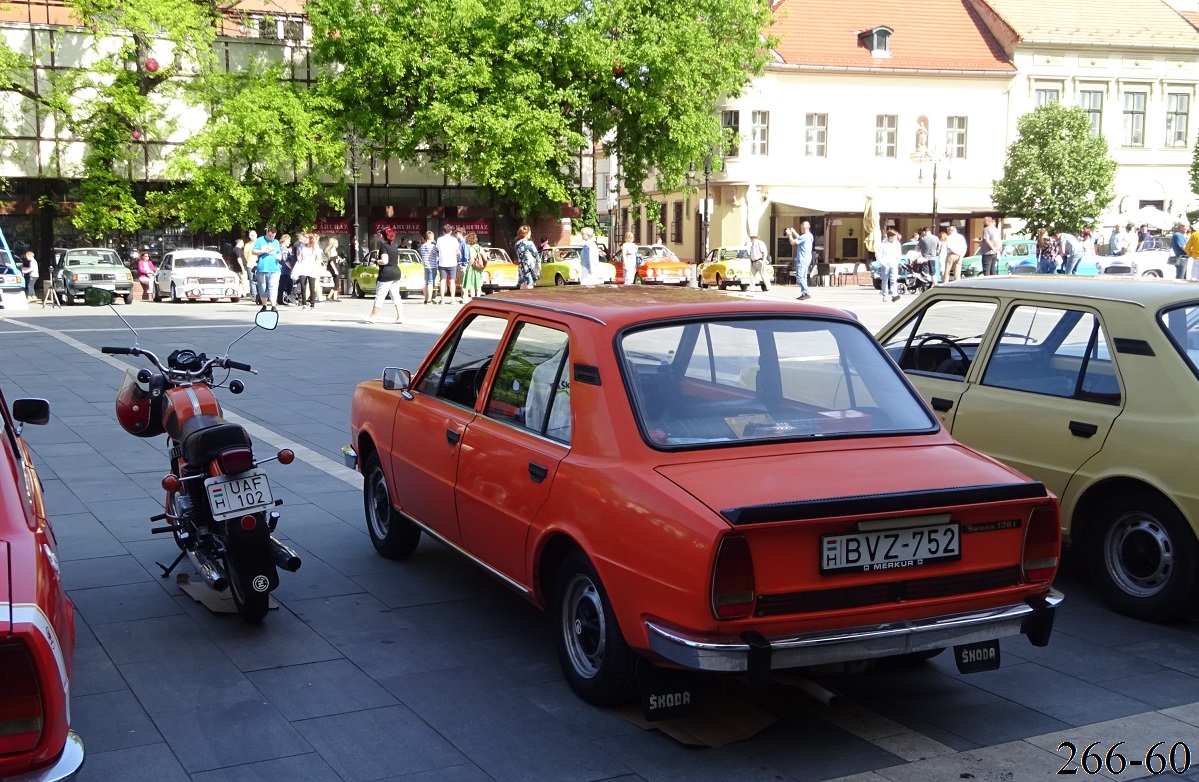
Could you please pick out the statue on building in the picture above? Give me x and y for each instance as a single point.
(922, 136)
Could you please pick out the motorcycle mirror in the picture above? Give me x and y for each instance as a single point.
(267, 319)
(95, 297)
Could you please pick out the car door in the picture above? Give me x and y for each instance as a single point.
(510, 454)
(164, 273)
(431, 421)
(937, 348)
(1047, 395)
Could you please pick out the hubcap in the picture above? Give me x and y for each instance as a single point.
(583, 626)
(1139, 554)
(379, 503)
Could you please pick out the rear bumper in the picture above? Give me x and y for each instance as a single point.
(68, 763)
(757, 654)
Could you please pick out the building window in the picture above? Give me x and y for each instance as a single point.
(955, 137)
(1134, 119)
(676, 222)
(1045, 95)
(601, 187)
(624, 222)
(731, 121)
(636, 224)
(1178, 107)
(886, 132)
(1092, 103)
(759, 132)
(816, 135)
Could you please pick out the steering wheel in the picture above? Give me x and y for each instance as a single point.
(939, 338)
(480, 373)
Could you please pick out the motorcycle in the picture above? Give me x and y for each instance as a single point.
(218, 504)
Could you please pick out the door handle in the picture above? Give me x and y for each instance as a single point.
(537, 472)
(941, 405)
(452, 437)
(1079, 429)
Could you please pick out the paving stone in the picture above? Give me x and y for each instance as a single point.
(296, 768)
(102, 572)
(280, 639)
(151, 762)
(372, 744)
(163, 684)
(112, 720)
(1138, 733)
(94, 671)
(173, 638)
(1056, 694)
(302, 692)
(1016, 760)
(105, 605)
(230, 733)
(81, 536)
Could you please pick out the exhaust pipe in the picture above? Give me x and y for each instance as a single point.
(284, 557)
(212, 573)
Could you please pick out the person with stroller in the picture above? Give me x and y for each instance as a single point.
(889, 253)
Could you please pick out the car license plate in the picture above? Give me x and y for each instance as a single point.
(893, 549)
(106, 286)
(237, 495)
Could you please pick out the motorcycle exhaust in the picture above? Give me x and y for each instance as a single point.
(212, 573)
(284, 557)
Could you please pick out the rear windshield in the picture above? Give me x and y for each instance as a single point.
(1182, 324)
(752, 379)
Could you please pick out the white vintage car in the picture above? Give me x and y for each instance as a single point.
(1154, 259)
(195, 274)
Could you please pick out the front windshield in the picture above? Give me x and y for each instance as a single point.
(751, 379)
(6, 263)
(409, 256)
(1181, 322)
(730, 254)
(92, 258)
(200, 262)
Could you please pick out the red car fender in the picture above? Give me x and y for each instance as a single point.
(54, 664)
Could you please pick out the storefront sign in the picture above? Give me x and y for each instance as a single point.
(399, 226)
(466, 226)
(333, 225)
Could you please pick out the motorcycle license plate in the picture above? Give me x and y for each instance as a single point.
(237, 495)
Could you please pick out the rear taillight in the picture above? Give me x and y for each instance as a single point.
(733, 579)
(1042, 545)
(20, 700)
(235, 460)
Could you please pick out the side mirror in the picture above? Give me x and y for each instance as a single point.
(95, 297)
(266, 319)
(31, 411)
(395, 379)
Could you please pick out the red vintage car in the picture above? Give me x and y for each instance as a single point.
(704, 483)
(37, 621)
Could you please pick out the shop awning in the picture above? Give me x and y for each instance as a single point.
(844, 200)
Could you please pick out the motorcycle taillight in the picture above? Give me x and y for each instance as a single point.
(21, 715)
(235, 460)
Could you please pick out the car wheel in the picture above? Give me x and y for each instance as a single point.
(559, 279)
(597, 663)
(234, 299)
(1143, 557)
(394, 537)
(357, 291)
(67, 298)
(154, 294)
(174, 294)
(745, 287)
(720, 283)
(1152, 273)
(637, 280)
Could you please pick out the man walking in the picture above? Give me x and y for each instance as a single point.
(803, 259)
(266, 249)
(250, 261)
(428, 261)
(930, 248)
(758, 257)
(955, 246)
(888, 256)
(989, 244)
(1178, 244)
(448, 251)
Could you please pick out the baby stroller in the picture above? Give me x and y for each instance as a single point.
(918, 278)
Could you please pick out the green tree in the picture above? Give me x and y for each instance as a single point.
(505, 93)
(1195, 171)
(1058, 176)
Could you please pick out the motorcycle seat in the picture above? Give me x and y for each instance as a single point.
(202, 437)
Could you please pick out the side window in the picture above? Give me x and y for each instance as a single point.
(1056, 352)
(532, 386)
(942, 339)
(457, 371)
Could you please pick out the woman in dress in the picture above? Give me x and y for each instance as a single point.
(333, 264)
(472, 278)
(526, 258)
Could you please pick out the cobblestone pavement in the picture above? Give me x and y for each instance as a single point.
(428, 670)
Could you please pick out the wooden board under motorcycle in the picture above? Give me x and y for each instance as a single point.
(218, 504)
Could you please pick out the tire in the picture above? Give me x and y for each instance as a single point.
(234, 299)
(745, 287)
(1152, 273)
(720, 284)
(356, 290)
(128, 297)
(596, 661)
(637, 280)
(174, 295)
(559, 279)
(394, 536)
(67, 298)
(154, 294)
(1143, 557)
(251, 605)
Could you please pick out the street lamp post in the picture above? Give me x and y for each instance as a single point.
(355, 142)
(706, 211)
(931, 156)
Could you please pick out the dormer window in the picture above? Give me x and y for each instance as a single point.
(877, 40)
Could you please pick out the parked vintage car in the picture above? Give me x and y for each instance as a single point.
(903, 273)
(501, 272)
(37, 621)
(1090, 386)
(656, 265)
(1014, 251)
(11, 278)
(92, 267)
(728, 266)
(564, 266)
(364, 277)
(1154, 259)
(188, 275)
(705, 482)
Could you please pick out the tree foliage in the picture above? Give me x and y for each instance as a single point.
(505, 93)
(1194, 171)
(1057, 175)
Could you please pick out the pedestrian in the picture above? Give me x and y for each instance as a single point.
(472, 277)
(145, 273)
(30, 270)
(1046, 252)
(333, 264)
(463, 262)
(390, 282)
(306, 272)
(989, 244)
(589, 257)
(266, 251)
(955, 249)
(287, 260)
(793, 237)
(528, 265)
(428, 260)
(1143, 236)
(759, 257)
(1088, 242)
(1178, 244)
(545, 243)
(1070, 249)
(250, 262)
(890, 250)
(803, 259)
(630, 259)
(930, 248)
(233, 254)
(1130, 241)
(447, 264)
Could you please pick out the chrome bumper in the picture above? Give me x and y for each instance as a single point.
(68, 763)
(757, 653)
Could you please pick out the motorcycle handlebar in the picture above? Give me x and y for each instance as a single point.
(117, 351)
(237, 365)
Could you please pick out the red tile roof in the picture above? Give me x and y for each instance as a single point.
(929, 35)
(1192, 17)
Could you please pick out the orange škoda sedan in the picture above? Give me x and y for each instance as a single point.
(704, 483)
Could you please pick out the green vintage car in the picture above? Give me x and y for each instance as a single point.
(92, 267)
(564, 266)
(363, 278)
(1013, 253)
